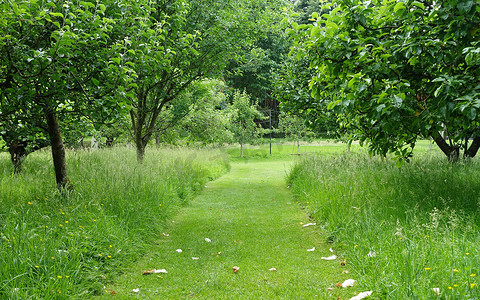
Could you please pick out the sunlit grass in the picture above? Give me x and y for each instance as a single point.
(54, 246)
(404, 230)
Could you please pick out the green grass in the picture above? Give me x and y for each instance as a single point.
(253, 223)
(419, 223)
(55, 247)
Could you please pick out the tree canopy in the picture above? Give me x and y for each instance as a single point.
(397, 71)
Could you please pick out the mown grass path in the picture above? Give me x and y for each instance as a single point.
(253, 223)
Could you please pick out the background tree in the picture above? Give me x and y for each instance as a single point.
(294, 129)
(261, 61)
(205, 115)
(172, 45)
(243, 125)
(398, 71)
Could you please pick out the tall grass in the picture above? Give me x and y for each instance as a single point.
(54, 247)
(404, 231)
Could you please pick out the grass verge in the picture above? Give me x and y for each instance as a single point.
(57, 247)
(409, 232)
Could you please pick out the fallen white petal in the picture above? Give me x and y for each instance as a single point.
(136, 290)
(179, 250)
(208, 240)
(372, 254)
(195, 258)
(331, 250)
(310, 250)
(160, 271)
(361, 295)
(272, 269)
(333, 257)
(309, 224)
(348, 283)
(436, 291)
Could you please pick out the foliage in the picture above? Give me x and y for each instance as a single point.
(404, 230)
(294, 129)
(397, 71)
(173, 44)
(53, 57)
(243, 124)
(209, 118)
(57, 248)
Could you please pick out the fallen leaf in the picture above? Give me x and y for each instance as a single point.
(136, 290)
(165, 234)
(195, 258)
(272, 269)
(348, 283)
(345, 272)
(179, 250)
(208, 240)
(310, 250)
(361, 295)
(330, 289)
(235, 269)
(338, 284)
(154, 271)
(309, 224)
(332, 257)
(343, 263)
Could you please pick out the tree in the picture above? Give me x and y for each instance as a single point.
(53, 57)
(398, 71)
(294, 128)
(172, 45)
(260, 63)
(243, 124)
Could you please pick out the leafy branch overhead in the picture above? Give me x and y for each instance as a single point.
(398, 71)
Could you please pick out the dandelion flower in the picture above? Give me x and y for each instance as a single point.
(473, 275)
(455, 270)
(428, 269)
(449, 287)
(37, 267)
(66, 276)
(472, 285)
(467, 253)
(59, 277)
(455, 285)
(29, 203)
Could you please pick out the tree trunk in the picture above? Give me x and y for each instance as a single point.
(298, 147)
(140, 153)
(58, 151)
(157, 140)
(452, 152)
(473, 149)
(18, 153)
(241, 150)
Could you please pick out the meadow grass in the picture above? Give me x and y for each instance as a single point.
(404, 231)
(55, 246)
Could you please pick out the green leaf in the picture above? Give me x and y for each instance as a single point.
(102, 7)
(400, 6)
(115, 60)
(419, 4)
(57, 14)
